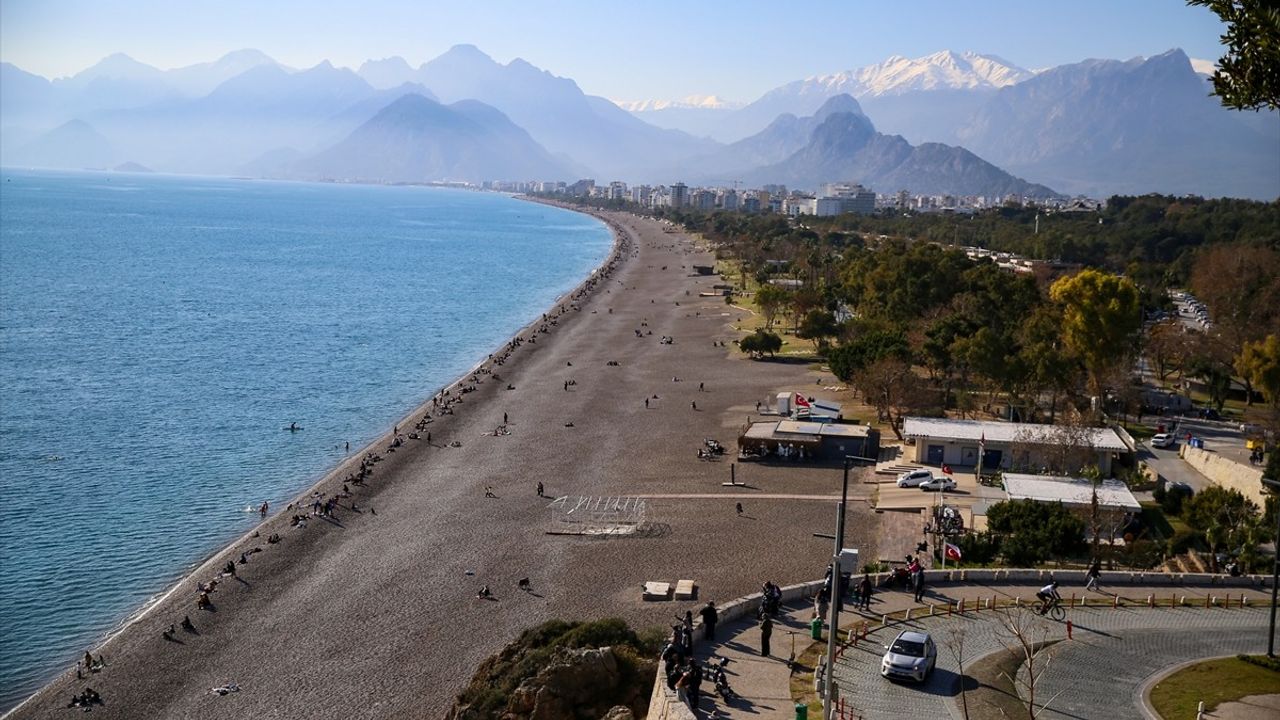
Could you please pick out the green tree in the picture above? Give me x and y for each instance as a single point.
(852, 357)
(1260, 363)
(1223, 516)
(771, 299)
(1248, 76)
(1032, 532)
(1100, 319)
(760, 342)
(817, 326)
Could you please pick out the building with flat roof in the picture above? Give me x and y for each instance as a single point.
(1013, 446)
(1070, 491)
(810, 441)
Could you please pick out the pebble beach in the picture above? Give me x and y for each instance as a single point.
(372, 612)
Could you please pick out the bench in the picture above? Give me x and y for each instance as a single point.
(656, 591)
(685, 590)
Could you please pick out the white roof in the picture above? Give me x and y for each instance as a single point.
(1006, 432)
(800, 430)
(1069, 491)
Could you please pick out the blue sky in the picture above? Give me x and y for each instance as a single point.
(623, 50)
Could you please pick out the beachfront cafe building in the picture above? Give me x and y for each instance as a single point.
(808, 441)
(1012, 446)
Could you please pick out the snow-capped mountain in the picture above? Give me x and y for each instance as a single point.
(945, 70)
(691, 102)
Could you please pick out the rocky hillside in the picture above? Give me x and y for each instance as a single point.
(564, 671)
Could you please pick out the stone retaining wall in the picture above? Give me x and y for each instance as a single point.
(1226, 472)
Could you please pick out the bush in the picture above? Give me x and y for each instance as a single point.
(1184, 540)
(1032, 532)
(1172, 499)
(1261, 661)
(979, 548)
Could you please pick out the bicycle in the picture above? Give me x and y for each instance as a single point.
(1053, 609)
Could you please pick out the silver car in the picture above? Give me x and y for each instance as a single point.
(912, 656)
(914, 477)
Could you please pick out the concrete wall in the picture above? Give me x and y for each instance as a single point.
(1226, 472)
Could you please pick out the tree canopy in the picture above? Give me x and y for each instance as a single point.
(1032, 532)
(1248, 76)
(1101, 316)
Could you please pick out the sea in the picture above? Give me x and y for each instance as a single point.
(160, 334)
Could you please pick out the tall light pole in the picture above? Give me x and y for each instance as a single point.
(833, 621)
(1275, 571)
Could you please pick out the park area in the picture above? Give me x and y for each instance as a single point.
(1241, 686)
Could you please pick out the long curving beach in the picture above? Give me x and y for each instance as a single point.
(373, 612)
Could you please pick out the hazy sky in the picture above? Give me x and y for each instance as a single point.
(624, 50)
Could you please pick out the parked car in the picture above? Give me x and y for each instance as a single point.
(912, 655)
(1162, 440)
(938, 482)
(914, 478)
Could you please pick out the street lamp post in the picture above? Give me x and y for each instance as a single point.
(1275, 570)
(833, 622)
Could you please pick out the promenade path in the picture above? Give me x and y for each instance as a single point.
(1100, 672)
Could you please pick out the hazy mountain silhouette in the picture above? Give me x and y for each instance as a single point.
(591, 130)
(74, 145)
(415, 139)
(846, 147)
(1143, 125)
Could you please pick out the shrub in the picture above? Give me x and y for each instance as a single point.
(979, 548)
(1184, 540)
(1031, 532)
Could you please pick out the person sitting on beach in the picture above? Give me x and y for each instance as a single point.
(187, 624)
(484, 593)
(203, 602)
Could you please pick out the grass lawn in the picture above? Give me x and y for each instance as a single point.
(1214, 682)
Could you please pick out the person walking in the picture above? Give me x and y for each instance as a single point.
(766, 631)
(709, 619)
(540, 489)
(918, 582)
(864, 592)
(1091, 577)
(738, 507)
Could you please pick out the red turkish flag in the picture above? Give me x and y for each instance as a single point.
(800, 401)
(952, 551)
(946, 469)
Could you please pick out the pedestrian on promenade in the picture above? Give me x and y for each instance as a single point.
(766, 630)
(709, 619)
(695, 684)
(864, 592)
(738, 507)
(1091, 577)
(918, 582)
(540, 490)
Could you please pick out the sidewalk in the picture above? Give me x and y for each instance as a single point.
(763, 683)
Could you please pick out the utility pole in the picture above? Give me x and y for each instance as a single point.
(828, 679)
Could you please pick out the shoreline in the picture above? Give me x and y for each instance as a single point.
(219, 556)
(375, 614)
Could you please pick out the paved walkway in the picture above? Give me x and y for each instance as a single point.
(1100, 637)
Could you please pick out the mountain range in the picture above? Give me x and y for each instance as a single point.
(1095, 127)
(839, 141)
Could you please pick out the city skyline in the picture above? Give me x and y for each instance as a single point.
(693, 50)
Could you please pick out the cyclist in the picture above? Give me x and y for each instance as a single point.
(1048, 596)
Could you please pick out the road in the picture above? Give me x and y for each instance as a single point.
(1097, 674)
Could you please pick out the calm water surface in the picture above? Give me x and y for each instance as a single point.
(157, 334)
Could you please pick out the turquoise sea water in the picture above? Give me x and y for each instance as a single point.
(157, 334)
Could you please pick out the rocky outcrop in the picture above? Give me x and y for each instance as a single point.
(564, 671)
(583, 684)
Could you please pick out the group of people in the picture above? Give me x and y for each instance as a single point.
(682, 672)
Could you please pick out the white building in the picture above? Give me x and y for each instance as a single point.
(1012, 446)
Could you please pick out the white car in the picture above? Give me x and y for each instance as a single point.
(912, 655)
(1162, 440)
(914, 478)
(938, 482)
